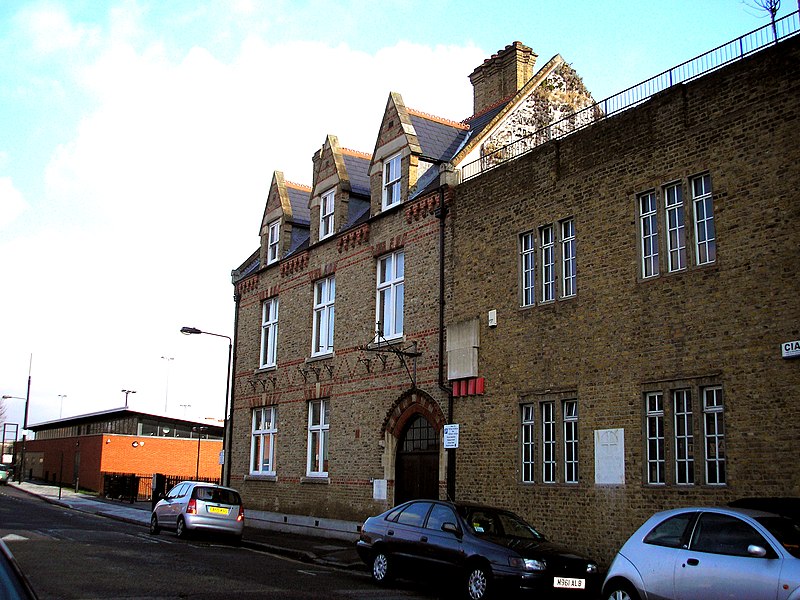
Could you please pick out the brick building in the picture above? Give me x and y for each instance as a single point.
(615, 287)
(83, 449)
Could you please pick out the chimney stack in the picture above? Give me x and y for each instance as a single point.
(502, 75)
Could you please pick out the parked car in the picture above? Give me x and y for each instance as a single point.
(13, 583)
(708, 553)
(6, 473)
(196, 506)
(477, 547)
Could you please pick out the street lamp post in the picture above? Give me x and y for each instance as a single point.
(25, 422)
(126, 392)
(61, 404)
(226, 434)
(169, 359)
(199, 431)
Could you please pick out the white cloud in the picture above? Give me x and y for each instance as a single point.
(12, 203)
(50, 30)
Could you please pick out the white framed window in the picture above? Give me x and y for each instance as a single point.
(568, 264)
(390, 296)
(714, 430)
(528, 442)
(548, 442)
(527, 261)
(684, 437)
(654, 407)
(570, 441)
(676, 234)
(391, 181)
(648, 222)
(269, 332)
(326, 205)
(262, 445)
(705, 234)
(324, 297)
(318, 429)
(547, 246)
(273, 241)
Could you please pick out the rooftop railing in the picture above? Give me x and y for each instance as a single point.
(734, 50)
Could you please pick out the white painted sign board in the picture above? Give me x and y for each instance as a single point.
(379, 489)
(451, 435)
(609, 456)
(790, 349)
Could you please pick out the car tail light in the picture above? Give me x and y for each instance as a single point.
(240, 516)
(191, 508)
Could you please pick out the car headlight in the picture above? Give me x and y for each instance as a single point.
(591, 568)
(527, 564)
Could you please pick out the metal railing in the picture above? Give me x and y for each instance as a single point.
(712, 60)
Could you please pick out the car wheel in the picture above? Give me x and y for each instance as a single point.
(154, 528)
(180, 529)
(620, 590)
(381, 568)
(478, 582)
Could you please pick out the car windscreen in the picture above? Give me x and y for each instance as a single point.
(785, 530)
(219, 495)
(500, 524)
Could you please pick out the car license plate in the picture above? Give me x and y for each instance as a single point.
(569, 583)
(218, 510)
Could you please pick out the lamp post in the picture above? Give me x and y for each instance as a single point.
(61, 404)
(166, 388)
(126, 392)
(25, 422)
(226, 435)
(199, 431)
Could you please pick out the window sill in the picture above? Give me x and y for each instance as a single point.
(316, 357)
(400, 339)
(261, 477)
(321, 480)
(265, 369)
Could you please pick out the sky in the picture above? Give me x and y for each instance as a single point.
(138, 140)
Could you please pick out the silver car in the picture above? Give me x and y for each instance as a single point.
(708, 553)
(196, 506)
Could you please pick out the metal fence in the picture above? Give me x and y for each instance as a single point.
(139, 487)
(734, 50)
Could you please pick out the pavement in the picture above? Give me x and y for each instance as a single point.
(258, 534)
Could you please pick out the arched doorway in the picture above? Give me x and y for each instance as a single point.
(417, 461)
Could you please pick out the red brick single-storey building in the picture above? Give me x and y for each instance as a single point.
(82, 450)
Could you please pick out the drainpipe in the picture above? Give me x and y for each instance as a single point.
(441, 214)
(228, 459)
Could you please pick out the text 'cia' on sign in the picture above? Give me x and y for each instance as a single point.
(790, 349)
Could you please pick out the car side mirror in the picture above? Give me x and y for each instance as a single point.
(451, 528)
(757, 551)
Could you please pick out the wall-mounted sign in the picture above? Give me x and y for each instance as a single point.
(790, 349)
(451, 435)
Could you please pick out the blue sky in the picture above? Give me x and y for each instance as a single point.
(140, 137)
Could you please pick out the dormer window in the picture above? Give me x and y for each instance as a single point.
(272, 242)
(391, 181)
(326, 214)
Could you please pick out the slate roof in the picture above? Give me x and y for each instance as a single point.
(438, 140)
(298, 198)
(477, 123)
(442, 141)
(358, 171)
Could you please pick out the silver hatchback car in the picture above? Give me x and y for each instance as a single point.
(708, 553)
(196, 506)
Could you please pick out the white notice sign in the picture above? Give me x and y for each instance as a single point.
(379, 489)
(790, 349)
(609, 456)
(451, 435)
